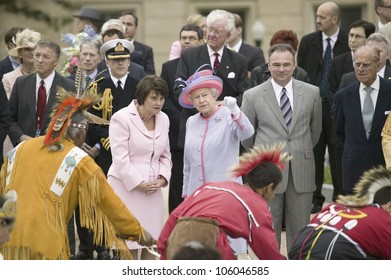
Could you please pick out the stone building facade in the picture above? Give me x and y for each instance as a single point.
(161, 20)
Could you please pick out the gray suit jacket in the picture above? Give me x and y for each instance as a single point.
(23, 105)
(261, 106)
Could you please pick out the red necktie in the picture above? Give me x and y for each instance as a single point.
(41, 105)
(216, 63)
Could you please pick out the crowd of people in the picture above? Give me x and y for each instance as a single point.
(238, 136)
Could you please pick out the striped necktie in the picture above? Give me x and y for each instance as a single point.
(286, 108)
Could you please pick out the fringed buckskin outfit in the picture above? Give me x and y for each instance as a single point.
(49, 187)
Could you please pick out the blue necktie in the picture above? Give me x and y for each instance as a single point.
(324, 83)
(286, 108)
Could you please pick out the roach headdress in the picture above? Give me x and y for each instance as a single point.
(248, 161)
(67, 104)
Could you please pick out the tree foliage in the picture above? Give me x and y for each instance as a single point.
(25, 8)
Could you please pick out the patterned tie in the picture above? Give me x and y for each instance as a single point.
(286, 108)
(41, 105)
(87, 81)
(216, 63)
(367, 111)
(324, 83)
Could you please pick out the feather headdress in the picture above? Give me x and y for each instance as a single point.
(248, 161)
(67, 104)
(370, 183)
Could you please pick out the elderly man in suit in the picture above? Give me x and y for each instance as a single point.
(285, 109)
(383, 45)
(359, 31)
(315, 54)
(191, 35)
(235, 42)
(230, 66)
(34, 95)
(143, 54)
(361, 110)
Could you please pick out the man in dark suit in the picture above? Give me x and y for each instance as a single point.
(143, 54)
(25, 120)
(382, 44)
(9, 63)
(190, 36)
(228, 65)
(361, 110)
(254, 55)
(313, 56)
(359, 31)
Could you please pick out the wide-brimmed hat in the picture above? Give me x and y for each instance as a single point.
(117, 48)
(90, 13)
(27, 38)
(200, 79)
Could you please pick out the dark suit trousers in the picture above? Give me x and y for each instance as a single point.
(325, 141)
(176, 182)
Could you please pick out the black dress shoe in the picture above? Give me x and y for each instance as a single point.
(316, 208)
(104, 255)
(81, 255)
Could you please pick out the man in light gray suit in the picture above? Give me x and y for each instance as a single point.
(25, 92)
(297, 123)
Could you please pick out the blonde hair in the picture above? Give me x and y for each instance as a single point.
(195, 19)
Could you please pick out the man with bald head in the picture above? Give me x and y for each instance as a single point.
(316, 51)
(361, 110)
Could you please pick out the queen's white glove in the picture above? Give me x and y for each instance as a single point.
(230, 103)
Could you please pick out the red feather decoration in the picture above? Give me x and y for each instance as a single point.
(257, 155)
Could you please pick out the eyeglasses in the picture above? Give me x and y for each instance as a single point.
(190, 38)
(356, 36)
(80, 125)
(215, 31)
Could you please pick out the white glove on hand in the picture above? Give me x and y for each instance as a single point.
(230, 103)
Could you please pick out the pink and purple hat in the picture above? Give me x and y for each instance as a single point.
(200, 79)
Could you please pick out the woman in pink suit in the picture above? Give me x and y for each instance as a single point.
(141, 156)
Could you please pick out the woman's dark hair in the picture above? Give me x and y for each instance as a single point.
(148, 84)
(285, 37)
(264, 174)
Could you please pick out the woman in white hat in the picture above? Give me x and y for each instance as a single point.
(25, 42)
(213, 136)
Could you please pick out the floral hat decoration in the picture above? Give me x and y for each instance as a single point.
(200, 79)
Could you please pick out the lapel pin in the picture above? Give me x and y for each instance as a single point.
(300, 93)
(218, 119)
